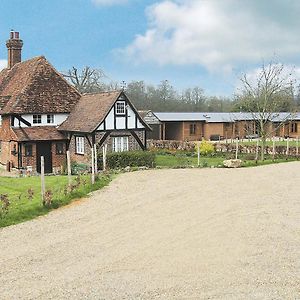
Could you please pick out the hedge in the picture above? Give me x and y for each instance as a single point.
(118, 160)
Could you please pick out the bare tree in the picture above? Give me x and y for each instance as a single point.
(264, 96)
(87, 80)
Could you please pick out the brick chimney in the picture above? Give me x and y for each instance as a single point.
(14, 47)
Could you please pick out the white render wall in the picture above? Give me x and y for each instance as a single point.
(121, 121)
(58, 119)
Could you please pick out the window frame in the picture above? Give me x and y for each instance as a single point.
(50, 119)
(294, 127)
(120, 143)
(79, 145)
(37, 119)
(57, 152)
(193, 128)
(26, 152)
(121, 112)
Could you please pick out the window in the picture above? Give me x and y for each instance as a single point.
(79, 140)
(193, 128)
(28, 150)
(37, 119)
(50, 119)
(120, 143)
(294, 127)
(120, 108)
(59, 148)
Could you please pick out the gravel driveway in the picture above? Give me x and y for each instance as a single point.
(164, 234)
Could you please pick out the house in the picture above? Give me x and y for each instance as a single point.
(100, 118)
(34, 99)
(43, 115)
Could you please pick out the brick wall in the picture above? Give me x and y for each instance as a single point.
(86, 158)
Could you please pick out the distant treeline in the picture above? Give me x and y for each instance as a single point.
(163, 97)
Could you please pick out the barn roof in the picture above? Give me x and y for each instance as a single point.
(34, 86)
(220, 117)
(38, 133)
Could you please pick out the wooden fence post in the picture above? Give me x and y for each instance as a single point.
(297, 146)
(93, 166)
(287, 146)
(69, 168)
(236, 148)
(43, 179)
(96, 159)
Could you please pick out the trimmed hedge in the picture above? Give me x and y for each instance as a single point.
(119, 160)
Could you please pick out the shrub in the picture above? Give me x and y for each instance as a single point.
(206, 148)
(118, 160)
(79, 168)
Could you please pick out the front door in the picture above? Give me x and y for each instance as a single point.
(44, 149)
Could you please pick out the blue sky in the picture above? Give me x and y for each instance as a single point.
(188, 42)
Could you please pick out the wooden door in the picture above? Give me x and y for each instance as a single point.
(44, 149)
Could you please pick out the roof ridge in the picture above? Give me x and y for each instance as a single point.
(104, 92)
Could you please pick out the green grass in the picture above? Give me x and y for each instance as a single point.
(22, 208)
(173, 161)
(182, 160)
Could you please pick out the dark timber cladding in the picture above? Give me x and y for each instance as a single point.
(98, 113)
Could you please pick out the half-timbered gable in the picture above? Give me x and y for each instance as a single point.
(104, 118)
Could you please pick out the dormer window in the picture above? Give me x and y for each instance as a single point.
(120, 107)
(37, 119)
(50, 119)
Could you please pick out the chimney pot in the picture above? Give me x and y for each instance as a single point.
(14, 47)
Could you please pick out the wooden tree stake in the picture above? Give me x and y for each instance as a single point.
(96, 159)
(104, 149)
(69, 168)
(93, 166)
(43, 179)
(273, 152)
(198, 152)
(256, 152)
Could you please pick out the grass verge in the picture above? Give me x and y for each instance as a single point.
(24, 195)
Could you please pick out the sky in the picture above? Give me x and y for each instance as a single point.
(206, 43)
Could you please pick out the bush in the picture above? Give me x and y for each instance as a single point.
(118, 160)
(79, 168)
(206, 148)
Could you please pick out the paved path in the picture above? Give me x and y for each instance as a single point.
(164, 234)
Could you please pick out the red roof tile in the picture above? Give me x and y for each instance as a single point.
(90, 112)
(34, 86)
(38, 133)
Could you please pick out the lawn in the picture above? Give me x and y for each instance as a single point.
(25, 207)
(181, 160)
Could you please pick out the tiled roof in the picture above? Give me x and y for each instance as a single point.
(34, 86)
(89, 112)
(38, 133)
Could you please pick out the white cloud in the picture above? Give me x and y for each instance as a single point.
(3, 64)
(218, 35)
(109, 2)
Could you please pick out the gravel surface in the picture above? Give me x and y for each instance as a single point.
(164, 234)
